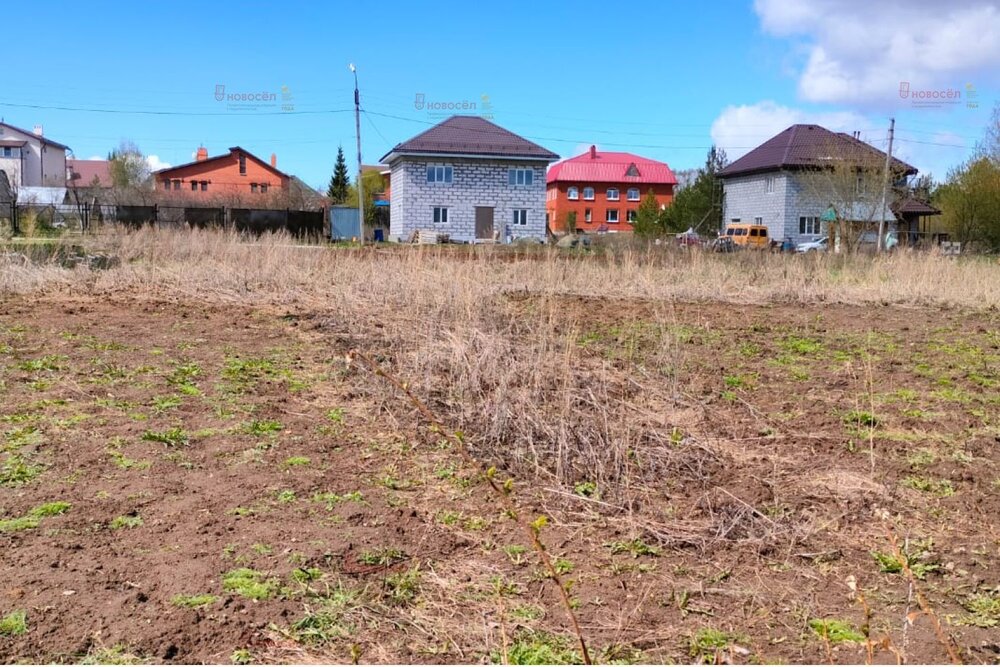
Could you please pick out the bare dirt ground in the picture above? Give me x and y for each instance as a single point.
(187, 482)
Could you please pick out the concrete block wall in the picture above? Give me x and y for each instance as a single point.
(475, 182)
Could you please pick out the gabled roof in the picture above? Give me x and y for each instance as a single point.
(914, 206)
(805, 146)
(471, 136)
(32, 134)
(83, 173)
(607, 167)
(234, 151)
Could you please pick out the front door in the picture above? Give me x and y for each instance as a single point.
(484, 223)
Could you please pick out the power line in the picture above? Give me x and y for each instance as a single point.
(148, 112)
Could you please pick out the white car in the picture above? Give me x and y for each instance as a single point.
(819, 245)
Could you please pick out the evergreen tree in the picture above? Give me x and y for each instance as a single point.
(647, 217)
(699, 205)
(340, 181)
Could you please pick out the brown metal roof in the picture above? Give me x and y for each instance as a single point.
(805, 146)
(471, 135)
(914, 206)
(235, 150)
(84, 172)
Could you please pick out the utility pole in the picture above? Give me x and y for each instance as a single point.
(357, 132)
(880, 246)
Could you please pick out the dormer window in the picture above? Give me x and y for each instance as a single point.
(632, 170)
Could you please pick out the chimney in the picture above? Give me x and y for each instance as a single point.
(202, 154)
(38, 131)
(593, 152)
(274, 161)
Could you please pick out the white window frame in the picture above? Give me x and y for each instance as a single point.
(810, 225)
(607, 216)
(632, 194)
(630, 216)
(439, 215)
(520, 177)
(588, 215)
(521, 217)
(572, 193)
(589, 191)
(613, 197)
(440, 173)
(769, 184)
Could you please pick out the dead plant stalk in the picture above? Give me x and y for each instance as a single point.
(504, 492)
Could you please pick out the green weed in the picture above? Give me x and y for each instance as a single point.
(835, 631)
(942, 488)
(262, 427)
(126, 521)
(984, 610)
(193, 601)
(383, 556)
(18, 471)
(296, 461)
(636, 547)
(13, 624)
(250, 584)
(331, 500)
(706, 644)
(402, 588)
(536, 647)
(175, 437)
(242, 656)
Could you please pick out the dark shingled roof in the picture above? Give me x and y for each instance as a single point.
(805, 146)
(914, 206)
(471, 135)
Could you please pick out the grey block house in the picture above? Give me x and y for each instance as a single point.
(787, 185)
(470, 179)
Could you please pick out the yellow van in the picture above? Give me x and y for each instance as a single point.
(745, 234)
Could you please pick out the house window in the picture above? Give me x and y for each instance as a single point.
(612, 194)
(769, 184)
(611, 215)
(166, 185)
(440, 214)
(573, 193)
(11, 151)
(809, 225)
(588, 194)
(521, 216)
(630, 216)
(758, 220)
(859, 185)
(253, 187)
(243, 165)
(520, 176)
(204, 186)
(633, 194)
(263, 188)
(194, 186)
(735, 221)
(439, 173)
(588, 215)
(177, 184)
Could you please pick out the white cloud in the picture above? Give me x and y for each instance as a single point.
(155, 163)
(860, 50)
(739, 129)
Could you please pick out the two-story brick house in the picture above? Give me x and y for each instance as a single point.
(604, 190)
(236, 175)
(470, 179)
(30, 159)
(789, 185)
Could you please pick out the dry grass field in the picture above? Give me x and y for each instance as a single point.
(740, 459)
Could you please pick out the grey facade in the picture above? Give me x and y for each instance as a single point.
(482, 183)
(782, 206)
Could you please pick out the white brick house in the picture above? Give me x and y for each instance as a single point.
(470, 179)
(775, 184)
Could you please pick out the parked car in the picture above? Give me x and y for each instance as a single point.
(819, 245)
(751, 236)
(689, 238)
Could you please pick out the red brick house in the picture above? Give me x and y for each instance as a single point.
(236, 174)
(604, 189)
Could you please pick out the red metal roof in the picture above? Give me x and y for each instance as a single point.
(83, 173)
(606, 167)
(234, 151)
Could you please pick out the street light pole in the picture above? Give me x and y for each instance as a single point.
(357, 132)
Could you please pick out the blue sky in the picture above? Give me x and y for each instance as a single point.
(661, 79)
